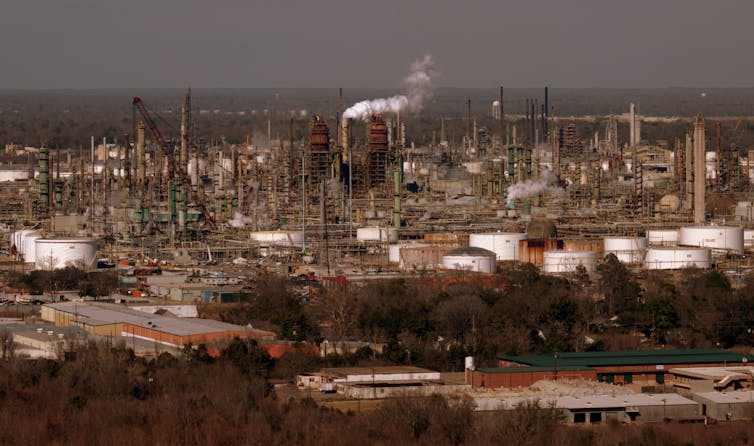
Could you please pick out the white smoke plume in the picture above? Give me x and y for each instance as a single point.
(534, 186)
(256, 209)
(239, 221)
(418, 84)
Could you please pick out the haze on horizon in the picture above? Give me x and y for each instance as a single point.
(329, 43)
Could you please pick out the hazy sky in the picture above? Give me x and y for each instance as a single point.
(354, 43)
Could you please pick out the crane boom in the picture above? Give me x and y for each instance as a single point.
(179, 172)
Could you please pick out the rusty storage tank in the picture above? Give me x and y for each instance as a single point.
(533, 251)
(542, 236)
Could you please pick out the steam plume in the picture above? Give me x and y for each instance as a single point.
(418, 84)
(532, 187)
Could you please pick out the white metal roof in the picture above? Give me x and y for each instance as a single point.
(589, 402)
(97, 313)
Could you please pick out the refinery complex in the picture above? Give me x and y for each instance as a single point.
(355, 197)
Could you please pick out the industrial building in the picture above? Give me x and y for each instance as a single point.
(606, 408)
(378, 382)
(720, 379)
(626, 367)
(726, 406)
(119, 321)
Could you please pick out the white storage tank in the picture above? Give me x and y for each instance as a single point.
(626, 249)
(278, 238)
(749, 238)
(662, 237)
(377, 234)
(55, 253)
(567, 261)
(24, 242)
(677, 258)
(503, 244)
(29, 243)
(469, 258)
(718, 238)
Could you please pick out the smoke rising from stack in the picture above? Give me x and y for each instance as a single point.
(419, 88)
(255, 207)
(534, 186)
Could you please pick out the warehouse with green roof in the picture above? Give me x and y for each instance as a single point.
(623, 367)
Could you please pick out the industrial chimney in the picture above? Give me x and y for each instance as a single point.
(699, 170)
(689, 160)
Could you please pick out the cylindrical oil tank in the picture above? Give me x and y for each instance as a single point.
(24, 240)
(377, 234)
(55, 253)
(662, 237)
(749, 238)
(533, 251)
(503, 244)
(677, 258)
(29, 243)
(277, 238)
(718, 238)
(595, 245)
(469, 258)
(626, 249)
(567, 261)
(16, 237)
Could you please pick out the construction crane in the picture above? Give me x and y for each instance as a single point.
(179, 172)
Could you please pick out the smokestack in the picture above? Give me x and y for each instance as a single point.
(184, 136)
(689, 161)
(533, 126)
(44, 182)
(718, 158)
(546, 114)
(526, 122)
(632, 126)
(344, 139)
(503, 129)
(556, 155)
(397, 199)
(468, 118)
(699, 170)
(544, 125)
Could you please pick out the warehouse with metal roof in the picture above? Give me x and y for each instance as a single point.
(118, 320)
